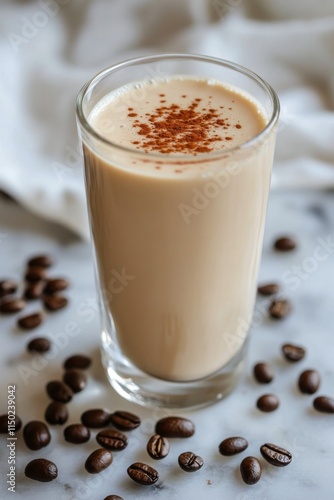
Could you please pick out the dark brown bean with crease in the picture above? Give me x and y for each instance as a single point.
(56, 413)
(75, 379)
(39, 344)
(98, 461)
(293, 352)
(158, 447)
(40, 261)
(189, 462)
(143, 474)
(76, 434)
(274, 455)
(268, 289)
(36, 435)
(7, 287)
(77, 361)
(30, 322)
(113, 497)
(41, 470)
(35, 274)
(11, 306)
(112, 440)
(58, 391)
(232, 446)
(175, 427)
(324, 404)
(95, 418)
(34, 290)
(309, 381)
(56, 285)
(55, 302)
(285, 244)
(124, 420)
(251, 470)
(263, 373)
(280, 309)
(268, 403)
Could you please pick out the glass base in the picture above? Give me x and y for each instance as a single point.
(141, 388)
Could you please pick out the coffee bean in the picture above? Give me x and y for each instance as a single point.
(56, 285)
(177, 427)
(285, 244)
(263, 373)
(324, 404)
(251, 470)
(98, 461)
(58, 391)
(30, 322)
(36, 435)
(232, 446)
(309, 381)
(75, 379)
(112, 440)
(95, 418)
(56, 413)
(7, 287)
(10, 306)
(41, 470)
(40, 261)
(76, 434)
(55, 302)
(35, 274)
(77, 361)
(158, 447)
(34, 290)
(293, 352)
(275, 455)
(39, 344)
(268, 289)
(17, 424)
(113, 497)
(143, 474)
(268, 403)
(124, 420)
(189, 462)
(280, 309)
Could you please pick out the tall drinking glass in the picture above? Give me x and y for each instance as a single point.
(177, 233)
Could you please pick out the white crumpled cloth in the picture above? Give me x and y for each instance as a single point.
(50, 48)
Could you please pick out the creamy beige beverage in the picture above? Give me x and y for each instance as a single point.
(178, 224)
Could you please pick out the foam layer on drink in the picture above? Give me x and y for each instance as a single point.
(178, 244)
(178, 116)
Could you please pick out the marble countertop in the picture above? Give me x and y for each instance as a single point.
(306, 276)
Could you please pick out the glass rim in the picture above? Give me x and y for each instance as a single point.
(169, 56)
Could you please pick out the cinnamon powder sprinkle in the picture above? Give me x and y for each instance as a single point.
(175, 129)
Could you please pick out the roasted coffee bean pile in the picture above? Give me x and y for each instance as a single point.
(308, 381)
(37, 285)
(279, 308)
(112, 427)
